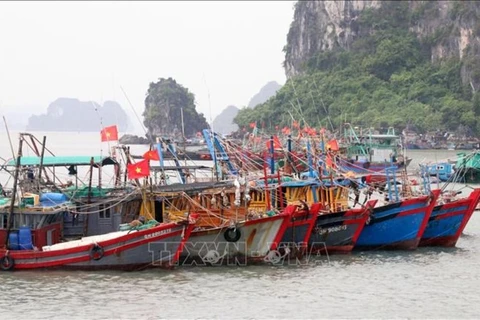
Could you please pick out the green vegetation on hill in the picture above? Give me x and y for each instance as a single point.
(163, 110)
(385, 79)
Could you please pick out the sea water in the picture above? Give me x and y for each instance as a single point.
(425, 283)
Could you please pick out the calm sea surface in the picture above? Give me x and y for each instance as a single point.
(426, 283)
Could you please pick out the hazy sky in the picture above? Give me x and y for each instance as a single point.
(87, 50)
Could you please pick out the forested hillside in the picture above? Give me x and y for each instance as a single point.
(385, 75)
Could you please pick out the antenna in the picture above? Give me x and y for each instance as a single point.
(209, 103)
(184, 138)
(101, 124)
(211, 127)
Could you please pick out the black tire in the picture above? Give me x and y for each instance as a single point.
(96, 253)
(232, 234)
(6, 263)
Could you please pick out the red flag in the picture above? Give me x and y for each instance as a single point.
(276, 143)
(109, 133)
(332, 145)
(295, 124)
(151, 155)
(253, 125)
(138, 170)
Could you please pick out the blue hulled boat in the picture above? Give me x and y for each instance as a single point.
(398, 225)
(448, 220)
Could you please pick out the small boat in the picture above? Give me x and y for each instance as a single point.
(443, 171)
(398, 225)
(448, 220)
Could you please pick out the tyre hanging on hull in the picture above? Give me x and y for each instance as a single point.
(97, 252)
(232, 234)
(6, 263)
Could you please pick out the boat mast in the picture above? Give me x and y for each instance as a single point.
(9, 139)
(41, 163)
(184, 139)
(12, 200)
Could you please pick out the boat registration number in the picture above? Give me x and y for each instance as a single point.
(158, 233)
(332, 229)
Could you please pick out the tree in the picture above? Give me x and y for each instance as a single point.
(163, 106)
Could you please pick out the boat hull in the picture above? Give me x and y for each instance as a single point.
(373, 167)
(448, 221)
(398, 225)
(338, 232)
(299, 227)
(248, 241)
(159, 246)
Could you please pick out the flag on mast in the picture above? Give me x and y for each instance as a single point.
(109, 133)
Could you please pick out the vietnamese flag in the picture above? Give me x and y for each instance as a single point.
(151, 155)
(253, 124)
(109, 133)
(138, 170)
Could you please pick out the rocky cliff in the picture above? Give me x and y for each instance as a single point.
(67, 114)
(446, 28)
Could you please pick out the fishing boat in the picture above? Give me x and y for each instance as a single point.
(334, 226)
(158, 246)
(366, 152)
(67, 226)
(338, 232)
(228, 230)
(337, 226)
(282, 193)
(449, 218)
(398, 225)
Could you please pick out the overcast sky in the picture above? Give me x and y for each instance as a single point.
(87, 50)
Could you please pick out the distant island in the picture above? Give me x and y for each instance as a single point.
(265, 93)
(69, 114)
(224, 124)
